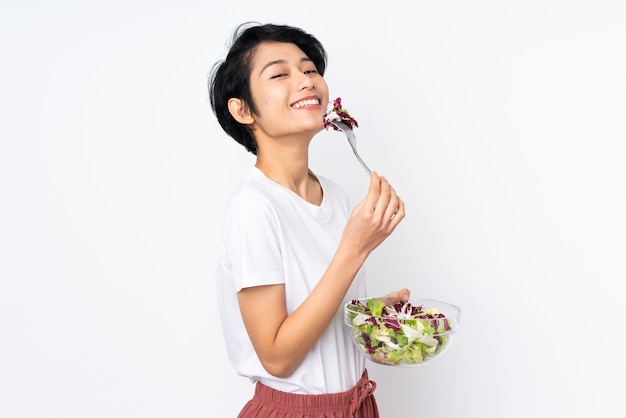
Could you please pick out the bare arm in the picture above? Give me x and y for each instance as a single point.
(282, 341)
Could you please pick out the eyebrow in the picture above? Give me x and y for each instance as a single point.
(282, 61)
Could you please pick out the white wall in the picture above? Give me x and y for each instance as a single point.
(501, 124)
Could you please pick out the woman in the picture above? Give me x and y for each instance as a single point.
(291, 252)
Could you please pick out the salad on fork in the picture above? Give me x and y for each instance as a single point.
(340, 120)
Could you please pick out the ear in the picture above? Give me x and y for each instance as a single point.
(240, 111)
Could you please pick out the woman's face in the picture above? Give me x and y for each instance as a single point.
(289, 94)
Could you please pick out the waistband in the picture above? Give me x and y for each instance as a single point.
(350, 399)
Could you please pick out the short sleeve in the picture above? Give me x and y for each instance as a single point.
(252, 242)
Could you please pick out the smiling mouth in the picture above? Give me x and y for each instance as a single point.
(304, 103)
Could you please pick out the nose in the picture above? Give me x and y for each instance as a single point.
(306, 82)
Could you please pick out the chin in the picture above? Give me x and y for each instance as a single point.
(316, 125)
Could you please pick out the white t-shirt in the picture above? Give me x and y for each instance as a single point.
(273, 236)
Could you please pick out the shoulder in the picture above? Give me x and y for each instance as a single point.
(252, 197)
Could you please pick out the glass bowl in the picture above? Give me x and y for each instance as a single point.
(405, 334)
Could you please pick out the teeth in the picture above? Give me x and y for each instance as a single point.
(308, 102)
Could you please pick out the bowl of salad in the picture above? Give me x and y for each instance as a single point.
(408, 334)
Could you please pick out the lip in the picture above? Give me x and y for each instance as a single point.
(311, 97)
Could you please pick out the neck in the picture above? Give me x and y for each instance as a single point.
(286, 170)
(290, 169)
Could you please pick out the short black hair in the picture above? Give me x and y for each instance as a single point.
(230, 77)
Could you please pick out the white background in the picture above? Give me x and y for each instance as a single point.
(501, 124)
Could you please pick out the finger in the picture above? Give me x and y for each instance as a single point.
(373, 193)
(395, 297)
(398, 216)
(392, 206)
(403, 294)
(383, 199)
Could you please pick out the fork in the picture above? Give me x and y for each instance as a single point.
(352, 140)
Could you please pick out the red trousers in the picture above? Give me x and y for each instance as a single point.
(358, 402)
